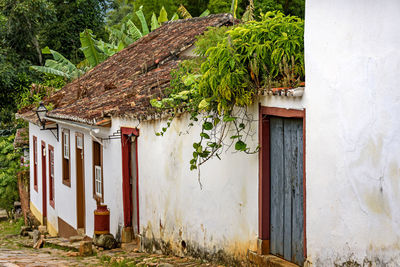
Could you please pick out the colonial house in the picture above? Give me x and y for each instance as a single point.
(323, 190)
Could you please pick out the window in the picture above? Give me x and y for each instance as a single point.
(51, 175)
(98, 172)
(79, 142)
(97, 181)
(35, 164)
(66, 167)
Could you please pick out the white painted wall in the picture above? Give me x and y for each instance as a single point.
(36, 197)
(65, 196)
(173, 207)
(353, 141)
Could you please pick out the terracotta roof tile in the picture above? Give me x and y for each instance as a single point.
(123, 84)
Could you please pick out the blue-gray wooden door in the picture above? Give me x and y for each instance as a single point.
(287, 218)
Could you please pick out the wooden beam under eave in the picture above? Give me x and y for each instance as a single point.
(104, 123)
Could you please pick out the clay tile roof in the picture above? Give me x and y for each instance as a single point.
(21, 138)
(123, 84)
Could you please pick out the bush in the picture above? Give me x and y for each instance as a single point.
(9, 167)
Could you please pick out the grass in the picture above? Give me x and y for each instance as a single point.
(7, 228)
(109, 261)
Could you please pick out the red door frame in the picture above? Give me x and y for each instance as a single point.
(126, 186)
(264, 193)
(44, 182)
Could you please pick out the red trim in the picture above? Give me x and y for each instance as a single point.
(304, 183)
(264, 167)
(282, 112)
(126, 186)
(264, 184)
(35, 160)
(44, 182)
(51, 180)
(137, 187)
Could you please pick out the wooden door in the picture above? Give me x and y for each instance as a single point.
(130, 180)
(80, 181)
(286, 210)
(44, 182)
(134, 183)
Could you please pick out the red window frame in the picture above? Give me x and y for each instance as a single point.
(35, 163)
(51, 175)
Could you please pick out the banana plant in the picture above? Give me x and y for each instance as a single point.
(186, 15)
(234, 8)
(163, 17)
(93, 54)
(59, 66)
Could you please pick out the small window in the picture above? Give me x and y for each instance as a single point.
(66, 167)
(35, 164)
(79, 142)
(98, 181)
(66, 144)
(98, 172)
(51, 175)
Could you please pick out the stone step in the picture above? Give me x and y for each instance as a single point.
(81, 231)
(268, 260)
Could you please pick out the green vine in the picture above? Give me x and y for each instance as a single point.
(234, 65)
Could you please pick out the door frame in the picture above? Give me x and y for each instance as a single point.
(264, 194)
(44, 182)
(126, 186)
(83, 179)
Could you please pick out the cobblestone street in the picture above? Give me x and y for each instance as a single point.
(16, 250)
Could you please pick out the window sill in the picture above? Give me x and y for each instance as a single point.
(98, 199)
(67, 183)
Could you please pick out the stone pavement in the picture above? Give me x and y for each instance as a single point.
(16, 250)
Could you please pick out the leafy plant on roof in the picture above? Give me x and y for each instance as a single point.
(233, 67)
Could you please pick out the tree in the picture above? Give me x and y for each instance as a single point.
(288, 7)
(72, 17)
(23, 20)
(9, 167)
(224, 6)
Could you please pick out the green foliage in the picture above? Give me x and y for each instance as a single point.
(37, 92)
(59, 66)
(92, 52)
(226, 6)
(24, 19)
(252, 57)
(72, 17)
(9, 167)
(288, 7)
(233, 66)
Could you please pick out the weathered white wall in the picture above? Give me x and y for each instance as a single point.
(353, 141)
(223, 215)
(65, 196)
(36, 197)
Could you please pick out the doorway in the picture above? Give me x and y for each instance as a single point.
(80, 181)
(44, 182)
(130, 179)
(282, 183)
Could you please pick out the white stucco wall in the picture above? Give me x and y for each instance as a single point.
(36, 196)
(223, 215)
(353, 141)
(65, 196)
